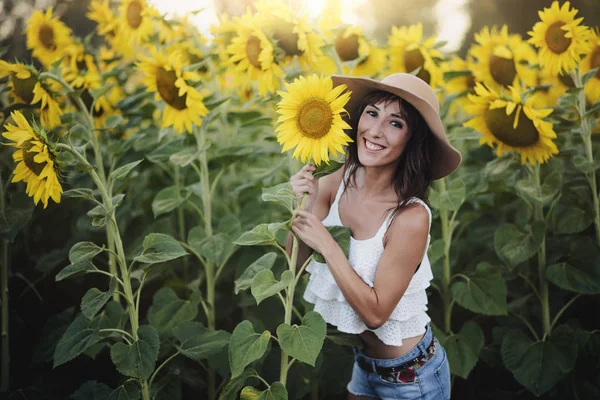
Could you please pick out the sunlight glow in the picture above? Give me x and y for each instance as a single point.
(453, 23)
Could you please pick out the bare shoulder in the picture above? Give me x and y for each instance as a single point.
(411, 223)
(328, 186)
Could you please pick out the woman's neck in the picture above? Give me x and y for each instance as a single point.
(375, 182)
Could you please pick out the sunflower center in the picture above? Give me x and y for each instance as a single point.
(134, 14)
(595, 61)
(28, 159)
(287, 40)
(24, 87)
(253, 51)
(502, 70)
(413, 59)
(501, 126)
(46, 36)
(315, 118)
(165, 83)
(555, 38)
(346, 47)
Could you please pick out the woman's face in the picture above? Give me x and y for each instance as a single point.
(382, 134)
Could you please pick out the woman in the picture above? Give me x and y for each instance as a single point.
(378, 292)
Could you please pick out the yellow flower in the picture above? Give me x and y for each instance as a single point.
(408, 51)
(310, 118)
(351, 44)
(47, 36)
(330, 18)
(591, 61)
(460, 85)
(557, 87)
(560, 38)
(102, 14)
(502, 59)
(252, 53)
(35, 159)
(168, 78)
(223, 34)
(512, 125)
(135, 18)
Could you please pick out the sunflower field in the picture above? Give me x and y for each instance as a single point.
(145, 204)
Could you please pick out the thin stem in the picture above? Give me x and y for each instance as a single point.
(124, 333)
(5, 299)
(562, 310)
(160, 367)
(526, 279)
(543, 281)
(302, 269)
(282, 299)
(446, 293)
(528, 325)
(263, 381)
(287, 257)
(139, 293)
(291, 362)
(194, 252)
(107, 274)
(195, 207)
(297, 313)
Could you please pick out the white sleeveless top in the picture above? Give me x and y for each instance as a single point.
(408, 319)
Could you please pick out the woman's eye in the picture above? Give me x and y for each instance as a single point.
(397, 124)
(372, 113)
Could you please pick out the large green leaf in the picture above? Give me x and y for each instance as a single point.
(75, 269)
(127, 391)
(80, 335)
(451, 199)
(92, 390)
(266, 261)
(275, 392)
(84, 251)
(123, 171)
(500, 168)
(263, 234)
(514, 246)
(159, 247)
(582, 164)
(281, 194)
(265, 285)
(341, 234)
(93, 301)
(549, 189)
(539, 365)
(303, 342)
(168, 199)
(162, 153)
(231, 390)
(484, 292)
(463, 348)
(198, 343)
(569, 217)
(246, 346)
(168, 310)
(436, 250)
(137, 359)
(580, 278)
(326, 169)
(216, 248)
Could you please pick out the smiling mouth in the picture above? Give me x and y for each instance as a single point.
(372, 146)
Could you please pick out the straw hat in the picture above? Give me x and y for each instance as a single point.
(445, 158)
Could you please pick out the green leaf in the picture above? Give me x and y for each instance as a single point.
(198, 343)
(158, 248)
(550, 188)
(568, 100)
(341, 234)
(230, 225)
(93, 301)
(123, 171)
(281, 194)
(500, 168)
(101, 91)
(265, 285)
(589, 75)
(569, 216)
(326, 169)
(113, 121)
(15, 216)
(230, 391)
(127, 391)
(80, 193)
(246, 346)
(463, 349)
(582, 278)
(592, 110)
(275, 392)
(539, 365)
(484, 292)
(75, 269)
(168, 310)
(436, 250)
(84, 251)
(162, 153)
(138, 359)
(263, 234)
(185, 156)
(80, 335)
(583, 165)
(216, 248)
(303, 342)
(168, 199)
(449, 75)
(451, 199)
(92, 390)
(245, 280)
(514, 246)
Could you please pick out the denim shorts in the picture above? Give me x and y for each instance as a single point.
(430, 381)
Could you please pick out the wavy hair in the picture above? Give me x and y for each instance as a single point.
(412, 177)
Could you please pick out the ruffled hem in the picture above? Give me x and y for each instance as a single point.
(346, 320)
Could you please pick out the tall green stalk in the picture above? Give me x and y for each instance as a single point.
(586, 136)
(4, 288)
(445, 289)
(541, 258)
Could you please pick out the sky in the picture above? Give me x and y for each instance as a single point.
(453, 18)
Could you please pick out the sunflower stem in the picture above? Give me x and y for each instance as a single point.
(4, 288)
(445, 289)
(541, 258)
(181, 218)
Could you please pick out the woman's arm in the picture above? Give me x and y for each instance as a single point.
(407, 237)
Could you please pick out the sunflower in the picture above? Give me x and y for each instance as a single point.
(252, 53)
(502, 59)
(560, 38)
(591, 61)
(408, 51)
(557, 86)
(135, 18)
(512, 125)
(47, 36)
(330, 18)
(35, 159)
(310, 118)
(79, 68)
(460, 85)
(223, 33)
(167, 76)
(46, 94)
(109, 26)
(361, 57)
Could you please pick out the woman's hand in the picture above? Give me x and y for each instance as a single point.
(311, 230)
(305, 182)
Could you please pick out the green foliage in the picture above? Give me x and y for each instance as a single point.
(168, 310)
(158, 248)
(484, 291)
(303, 342)
(80, 335)
(246, 346)
(93, 301)
(463, 348)
(137, 359)
(514, 246)
(265, 285)
(266, 261)
(198, 343)
(341, 234)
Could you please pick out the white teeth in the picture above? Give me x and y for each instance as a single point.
(372, 146)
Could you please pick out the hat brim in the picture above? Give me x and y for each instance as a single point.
(445, 158)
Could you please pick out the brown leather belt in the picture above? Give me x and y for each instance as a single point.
(420, 360)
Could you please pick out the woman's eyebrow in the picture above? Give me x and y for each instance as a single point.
(393, 115)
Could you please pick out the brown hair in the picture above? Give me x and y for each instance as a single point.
(412, 177)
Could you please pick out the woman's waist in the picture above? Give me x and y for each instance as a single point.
(373, 346)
